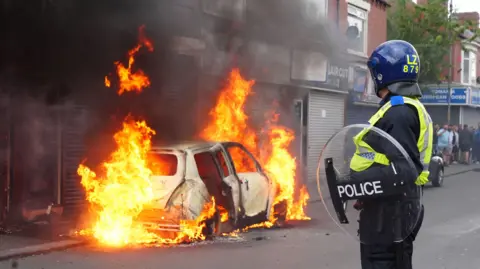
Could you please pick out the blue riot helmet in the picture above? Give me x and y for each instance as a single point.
(395, 65)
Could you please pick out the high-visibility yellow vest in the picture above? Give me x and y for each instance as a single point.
(365, 156)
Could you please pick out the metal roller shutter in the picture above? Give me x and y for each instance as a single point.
(471, 116)
(439, 114)
(325, 117)
(73, 152)
(359, 114)
(4, 157)
(177, 100)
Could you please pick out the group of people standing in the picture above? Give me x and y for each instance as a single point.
(457, 143)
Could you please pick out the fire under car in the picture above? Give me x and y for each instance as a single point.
(189, 174)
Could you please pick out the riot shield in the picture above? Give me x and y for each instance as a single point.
(366, 181)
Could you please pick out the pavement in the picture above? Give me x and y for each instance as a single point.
(449, 239)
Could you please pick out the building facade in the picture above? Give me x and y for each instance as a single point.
(292, 49)
(371, 17)
(319, 84)
(465, 88)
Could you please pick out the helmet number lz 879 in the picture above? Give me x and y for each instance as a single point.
(412, 64)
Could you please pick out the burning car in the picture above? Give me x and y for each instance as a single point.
(186, 176)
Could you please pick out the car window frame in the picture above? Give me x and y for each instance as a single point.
(227, 145)
(180, 170)
(215, 162)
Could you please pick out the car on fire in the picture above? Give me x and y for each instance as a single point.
(186, 176)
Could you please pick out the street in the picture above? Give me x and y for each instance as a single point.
(449, 239)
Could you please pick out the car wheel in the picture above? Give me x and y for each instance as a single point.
(280, 213)
(438, 182)
(212, 226)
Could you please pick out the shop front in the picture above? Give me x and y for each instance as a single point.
(470, 114)
(327, 81)
(436, 100)
(362, 103)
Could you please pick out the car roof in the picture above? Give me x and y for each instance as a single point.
(184, 146)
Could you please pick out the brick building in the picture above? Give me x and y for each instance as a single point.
(371, 16)
(295, 57)
(465, 89)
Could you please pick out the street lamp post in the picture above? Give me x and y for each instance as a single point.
(450, 62)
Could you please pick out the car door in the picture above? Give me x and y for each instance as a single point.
(231, 188)
(255, 186)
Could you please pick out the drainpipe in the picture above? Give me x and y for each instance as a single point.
(338, 14)
(450, 62)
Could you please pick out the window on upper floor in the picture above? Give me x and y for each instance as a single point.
(357, 29)
(469, 67)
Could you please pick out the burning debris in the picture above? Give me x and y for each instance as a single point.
(122, 189)
(120, 195)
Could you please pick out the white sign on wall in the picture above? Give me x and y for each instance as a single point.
(309, 66)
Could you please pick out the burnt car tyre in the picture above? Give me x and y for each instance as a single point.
(280, 213)
(212, 226)
(438, 179)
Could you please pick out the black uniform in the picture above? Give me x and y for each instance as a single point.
(377, 218)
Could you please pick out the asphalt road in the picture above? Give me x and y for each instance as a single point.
(449, 239)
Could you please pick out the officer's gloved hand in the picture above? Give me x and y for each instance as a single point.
(358, 205)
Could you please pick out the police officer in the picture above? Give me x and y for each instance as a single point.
(394, 67)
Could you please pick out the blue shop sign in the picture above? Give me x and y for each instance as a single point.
(440, 96)
(475, 97)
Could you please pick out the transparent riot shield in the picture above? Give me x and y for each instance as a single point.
(369, 190)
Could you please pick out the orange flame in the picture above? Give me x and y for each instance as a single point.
(124, 190)
(127, 79)
(229, 123)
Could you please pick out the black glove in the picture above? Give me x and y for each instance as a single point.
(358, 205)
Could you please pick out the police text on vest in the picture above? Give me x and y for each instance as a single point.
(361, 189)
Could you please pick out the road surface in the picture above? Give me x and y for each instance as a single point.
(449, 239)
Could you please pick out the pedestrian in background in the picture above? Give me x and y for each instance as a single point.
(454, 143)
(444, 142)
(435, 136)
(476, 145)
(465, 142)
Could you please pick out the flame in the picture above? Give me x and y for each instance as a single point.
(121, 194)
(127, 79)
(124, 190)
(107, 82)
(229, 122)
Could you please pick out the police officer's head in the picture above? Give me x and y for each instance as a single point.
(395, 66)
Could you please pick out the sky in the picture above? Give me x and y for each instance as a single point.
(466, 5)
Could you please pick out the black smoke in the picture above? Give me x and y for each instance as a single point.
(55, 54)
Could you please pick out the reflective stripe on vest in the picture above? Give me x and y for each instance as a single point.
(365, 156)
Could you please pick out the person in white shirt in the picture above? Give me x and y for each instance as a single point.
(444, 143)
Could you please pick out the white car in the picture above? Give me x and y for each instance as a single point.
(188, 175)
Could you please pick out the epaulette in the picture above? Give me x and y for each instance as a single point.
(397, 100)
